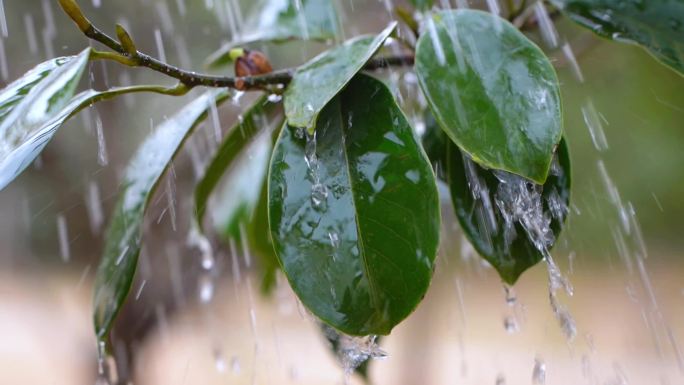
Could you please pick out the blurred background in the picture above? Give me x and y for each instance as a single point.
(624, 115)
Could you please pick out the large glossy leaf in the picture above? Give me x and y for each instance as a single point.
(124, 236)
(657, 25)
(244, 155)
(282, 20)
(318, 81)
(476, 194)
(354, 213)
(31, 110)
(491, 90)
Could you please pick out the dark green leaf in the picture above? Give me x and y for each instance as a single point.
(477, 200)
(124, 236)
(492, 91)
(31, 110)
(318, 81)
(354, 212)
(245, 152)
(657, 25)
(242, 205)
(282, 20)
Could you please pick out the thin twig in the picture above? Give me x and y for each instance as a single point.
(129, 56)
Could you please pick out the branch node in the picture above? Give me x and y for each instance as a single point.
(126, 41)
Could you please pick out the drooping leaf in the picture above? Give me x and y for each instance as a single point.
(31, 110)
(124, 236)
(282, 20)
(241, 164)
(354, 211)
(657, 25)
(492, 91)
(318, 81)
(480, 202)
(244, 154)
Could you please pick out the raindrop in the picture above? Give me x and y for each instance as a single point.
(94, 207)
(334, 239)
(3, 20)
(548, 31)
(4, 69)
(511, 297)
(219, 361)
(196, 239)
(510, 325)
(235, 365)
(140, 289)
(102, 158)
(31, 33)
(160, 45)
(97, 3)
(570, 56)
(206, 289)
(593, 122)
(274, 98)
(539, 372)
(100, 357)
(63, 237)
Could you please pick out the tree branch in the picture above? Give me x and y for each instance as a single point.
(127, 54)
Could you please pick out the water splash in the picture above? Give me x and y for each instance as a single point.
(353, 351)
(521, 201)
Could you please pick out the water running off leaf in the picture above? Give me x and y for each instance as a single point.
(381, 204)
(492, 91)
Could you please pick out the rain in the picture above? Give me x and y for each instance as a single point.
(604, 306)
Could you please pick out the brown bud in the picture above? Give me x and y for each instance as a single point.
(252, 63)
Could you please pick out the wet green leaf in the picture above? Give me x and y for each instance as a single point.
(244, 155)
(474, 196)
(318, 81)
(124, 236)
(657, 25)
(283, 20)
(492, 91)
(354, 214)
(240, 165)
(31, 110)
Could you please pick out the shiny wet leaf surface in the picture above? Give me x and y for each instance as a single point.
(476, 197)
(657, 25)
(32, 108)
(354, 212)
(492, 91)
(318, 81)
(124, 236)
